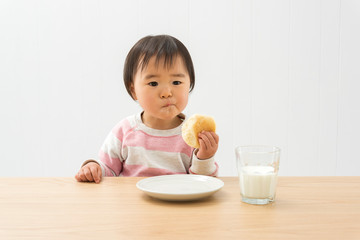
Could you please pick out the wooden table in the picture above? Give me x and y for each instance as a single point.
(61, 208)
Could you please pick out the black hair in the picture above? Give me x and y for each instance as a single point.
(161, 46)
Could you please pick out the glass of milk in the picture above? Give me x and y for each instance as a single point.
(258, 168)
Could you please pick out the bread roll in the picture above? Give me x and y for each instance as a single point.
(194, 125)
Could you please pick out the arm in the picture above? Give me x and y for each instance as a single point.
(203, 161)
(110, 163)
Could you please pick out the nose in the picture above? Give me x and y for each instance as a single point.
(166, 92)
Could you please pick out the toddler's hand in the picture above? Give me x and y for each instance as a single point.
(208, 144)
(90, 172)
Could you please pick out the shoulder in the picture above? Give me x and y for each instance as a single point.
(125, 126)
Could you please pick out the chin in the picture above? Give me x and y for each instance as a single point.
(169, 116)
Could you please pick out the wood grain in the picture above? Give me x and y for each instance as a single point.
(61, 208)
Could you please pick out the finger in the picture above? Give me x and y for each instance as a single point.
(88, 174)
(202, 144)
(215, 136)
(77, 177)
(82, 176)
(95, 173)
(99, 173)
(211, 138)
(204, 136)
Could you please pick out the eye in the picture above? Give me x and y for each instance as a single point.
(176, 82)
(153, 84)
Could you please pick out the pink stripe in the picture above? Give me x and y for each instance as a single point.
(142, 171)
(112, 163)
(158, 143)
(122, 129)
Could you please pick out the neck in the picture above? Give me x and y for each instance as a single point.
(160, 124)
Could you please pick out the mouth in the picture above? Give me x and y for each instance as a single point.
(169, 105)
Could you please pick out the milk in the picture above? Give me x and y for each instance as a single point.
(258, 182)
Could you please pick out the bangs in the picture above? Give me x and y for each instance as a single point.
(164, 49)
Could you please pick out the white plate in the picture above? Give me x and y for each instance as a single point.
(180, 187)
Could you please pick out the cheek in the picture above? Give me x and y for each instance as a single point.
(145, 98)
(183, 98)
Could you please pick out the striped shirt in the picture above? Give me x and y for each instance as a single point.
(133, 149)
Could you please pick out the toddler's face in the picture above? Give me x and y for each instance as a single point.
(162, 91)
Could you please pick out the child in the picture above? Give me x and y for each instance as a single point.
(159, 74)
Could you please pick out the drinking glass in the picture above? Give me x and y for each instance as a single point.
(258, 168)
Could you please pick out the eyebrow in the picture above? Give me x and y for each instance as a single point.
(178, 75)
(149, 76)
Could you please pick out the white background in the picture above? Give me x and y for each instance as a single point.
(273, 72)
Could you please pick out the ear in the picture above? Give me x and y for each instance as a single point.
(132, 90)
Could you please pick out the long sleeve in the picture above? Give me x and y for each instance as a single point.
(203, 167)
(110, 160)
(112, 153)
